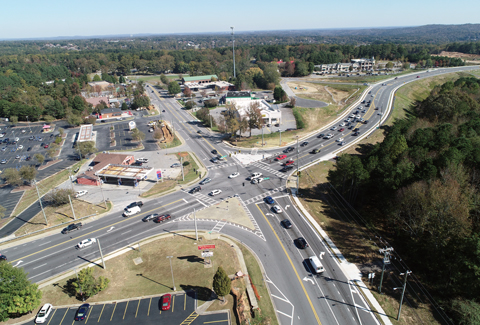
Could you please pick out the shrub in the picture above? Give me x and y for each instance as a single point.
(298, 118)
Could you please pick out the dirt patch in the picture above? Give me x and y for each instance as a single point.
(468, 57)
(167, 134)
(50, 163)
(324, 93)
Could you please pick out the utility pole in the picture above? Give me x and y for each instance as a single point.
(28, 123)
(70, 177)
(195, 220)
(181, 164)
(386, 260)
(280, 130)
(233, 49)
(211, 125)
(101, 254)
(40, 200)
(103, 196)
(71, 205)
(170, 258)
(403, 292)
(263, 126)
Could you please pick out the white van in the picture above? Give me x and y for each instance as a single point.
(316, 265)
(131, 211)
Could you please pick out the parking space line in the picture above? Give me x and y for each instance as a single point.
(216, 321)
(101, 313)
(149, 303)
(113, 311)
(64, 316)
(173, 303)
(88, 316)
(54, 311)
(125, 309)
(137, 308)
(185, 301)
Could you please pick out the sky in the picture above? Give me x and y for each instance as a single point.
(53, 18)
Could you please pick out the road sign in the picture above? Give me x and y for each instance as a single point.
(203, 247)
(159, 174)
(265, 178)
(223, 156)
(207, 254)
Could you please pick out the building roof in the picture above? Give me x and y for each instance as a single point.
(239, 94)
(103, 159)
(96, 100)
(126, 172)
(111, 110)
(198, 78)
(85, 133)
(102, 84)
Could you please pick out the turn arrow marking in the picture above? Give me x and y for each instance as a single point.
(286, 207)
(111, 228)
(308, 279)
(17, 263)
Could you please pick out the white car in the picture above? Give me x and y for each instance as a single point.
(215, 192)
(234, 175)
(339, 140)
(277, 209)
(43, 313)
(20, 147)
(254, 175)
(352, 116)
(86, 242)
(359, 116)
(81, 193)
(2, 135)
(142, 160)
(333, 128)
(342, 124)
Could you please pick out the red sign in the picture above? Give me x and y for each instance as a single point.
(203, 247)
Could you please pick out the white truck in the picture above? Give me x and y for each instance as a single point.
(131, 211)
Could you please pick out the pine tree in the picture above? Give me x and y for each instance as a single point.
(221, 283)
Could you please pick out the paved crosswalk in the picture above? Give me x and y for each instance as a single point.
(205, 200)
(263, 195)
(221, 166)
(269, 169)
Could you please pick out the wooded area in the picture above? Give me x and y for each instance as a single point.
(421, 185)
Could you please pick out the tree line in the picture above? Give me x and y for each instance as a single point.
(422, 185)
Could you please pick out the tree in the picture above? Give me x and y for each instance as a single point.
(137, 135)
(210, 102)
(97, 78)
(124, 106)
(18, 295)
(39, 158)
(14, 120)
(164, 79)
(61, 131)
(292, 102)
(157, 134)
(174, 88)
(221, 283)
(74, 119)
(389, 65)
(85, 148)
(187, 92)
(52, 150)
(190, 104)
(279, 94)
(90, 120)
(58, 197)
(87, 285)
(28, 173)
(48, 118)
(12, 176)
(254, 116)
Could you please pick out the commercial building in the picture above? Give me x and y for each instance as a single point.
(355, 65)
(243, 100)
(85, 133)
(198, 79)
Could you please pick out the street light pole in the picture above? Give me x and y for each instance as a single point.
(263, 126)
(280, 130)
(101, 254)
(101, 190)
(28, 123)
(195, 220)
(298, 167)
(40, 200)
(403, 292)
(171, 269)
(71, 205)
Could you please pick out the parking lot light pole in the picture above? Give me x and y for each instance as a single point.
(101, 190)
(40, 200)
(28, 123)
(171, 268)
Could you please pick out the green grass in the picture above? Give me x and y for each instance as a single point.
(175, 143)
(160, 187)
(188, 170)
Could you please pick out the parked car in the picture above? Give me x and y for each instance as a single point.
(142, 160)
(20, 147)
(81, 193)
(43, 314)
(166, 301)
(162, 218)
(45, 146)
(86, 242)
(150, 217)
(82, 312)
(175, 165)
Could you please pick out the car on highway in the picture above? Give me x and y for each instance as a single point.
(86, 242)
(365, 122)
(257, 180)
(341, 130)
(3, 258)
(321, 135)
(150, 217)
(72, 227)
(215, 192)
(288, 162)
(328, 136)
(352, 116)
(45, 146)
(205, 181)
(135, 204)
(166, 301)
(175, 165)
(286, 168)
(301, 243)
(280, 157)
(342, 143)
(333, 128)
(342, 124)
(82, 311)
(17, 157)
(43, 313)
(289, 149)
(304, 143)
(214, 151)
(214, 160)
(4, 148)
(339, 140)
(356, 133)
(29, 148)
(269, 200)
(350, 127)
(81, 193)
(195, 189)
(234, 175)
(162, 218)
(316, 150)
(286, 224)
(277, 209)
(418, 76)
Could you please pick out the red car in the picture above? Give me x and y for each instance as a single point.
(341, 130)
(162, 218)
(288, 162)
(46, 146)
(281, 157)
(418, 76)
(166, 301)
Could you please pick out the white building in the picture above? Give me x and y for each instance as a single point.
(271, 114)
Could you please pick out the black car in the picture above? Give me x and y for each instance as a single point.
(286, 223)
(356, 129)
(301, 243)
(214, 151)
(289, 149)
(314, 151)
(29, 148)
(287, 168)
(195, 189)
(3, 258)
(321, 135)
(150, 217)
(356, 133)
(135, 204)
(82, 312)
(365, 122)
(304, 144)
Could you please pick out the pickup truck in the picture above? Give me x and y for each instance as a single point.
(162, 218)
(72, 227)
(134, 204)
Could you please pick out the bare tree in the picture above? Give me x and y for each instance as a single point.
(254, 116)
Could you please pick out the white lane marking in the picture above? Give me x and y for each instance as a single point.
(17, 263)
(111, 228)
(278, 311)
(280, 298)
(185, 201)
(125, 232)
(308, 279)
(43, 257)
(39, 266)
(39, 274)
(45, 243)
(202, 203)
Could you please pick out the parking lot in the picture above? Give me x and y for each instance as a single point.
(141, 311)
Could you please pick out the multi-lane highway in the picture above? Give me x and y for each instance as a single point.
(300, 297)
